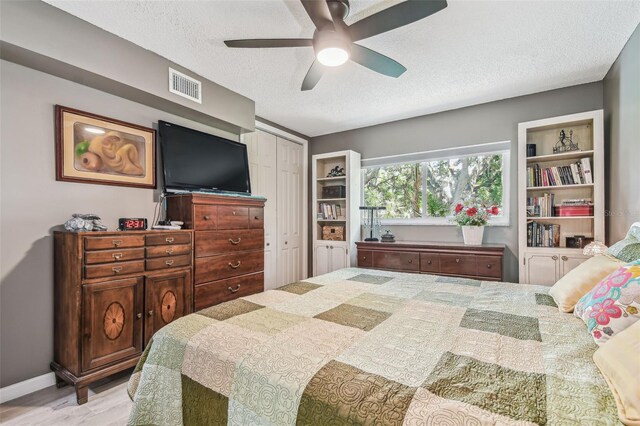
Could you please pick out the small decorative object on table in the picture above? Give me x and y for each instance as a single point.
(565, 144)
(531, 150)
(388, 237)
(371, 222)
(593, 248)
(472, 218)
(132, 224)
(578, 241)
(337, 171)
(84, 222)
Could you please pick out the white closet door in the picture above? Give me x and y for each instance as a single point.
(289, 184)
(261, 148)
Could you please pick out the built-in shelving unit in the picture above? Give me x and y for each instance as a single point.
(545, 265)
(338, 213)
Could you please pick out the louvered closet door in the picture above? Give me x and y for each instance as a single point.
(289, 184)
(262, 148)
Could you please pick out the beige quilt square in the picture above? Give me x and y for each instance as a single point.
(267, 321)
(270, 298)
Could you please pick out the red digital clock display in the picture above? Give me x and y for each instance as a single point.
(132, 224)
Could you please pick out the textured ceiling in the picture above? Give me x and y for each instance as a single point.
(469, 53)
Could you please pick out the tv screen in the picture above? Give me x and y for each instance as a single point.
(197, 161)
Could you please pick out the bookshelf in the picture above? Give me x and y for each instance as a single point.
(572, 180)
(338, 212)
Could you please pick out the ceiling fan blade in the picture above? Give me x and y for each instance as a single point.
(313, 76)
(376, 61)
(394, 17)
(319, 13)
(270, 42)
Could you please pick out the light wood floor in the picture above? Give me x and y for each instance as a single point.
(108, 404)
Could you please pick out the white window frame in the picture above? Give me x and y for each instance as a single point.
(495, 148)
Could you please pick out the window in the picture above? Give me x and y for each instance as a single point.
(426, 186)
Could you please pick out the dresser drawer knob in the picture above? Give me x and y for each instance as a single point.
(235, 242)
(364, 257)
(117, 256)
(168, 262)
(139, 315)
(256, 218)
(236, 266)
(268, 244)
(489, 266)
(150, 313)
(233, 290)
(428, 262)
(117, 269)
(457, 260)
(207, 217)
(565, 258)
(169, 251)
(116, 243)
(169, 239)
(410, 261)
(234, 212)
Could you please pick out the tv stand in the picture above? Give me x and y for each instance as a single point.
(229, 244)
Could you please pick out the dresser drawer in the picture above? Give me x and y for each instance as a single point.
(106, 256)
(167, 239)
(458, 264)
(118, 241)
(256, 218)
(219, 242)
(405, 261)
(172, 250)
(233, 217)
(168, 262)
(205, 217)
(489, 266)
(365, 258)
(229, 265)
(429, 262)
(113, 269)
(212, 293)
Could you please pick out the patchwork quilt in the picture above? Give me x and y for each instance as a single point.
(359, 346)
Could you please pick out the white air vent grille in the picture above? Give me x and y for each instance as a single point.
(185, 86)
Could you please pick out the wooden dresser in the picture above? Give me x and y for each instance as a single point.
(229, 244)
(456, 260)
(112, 291)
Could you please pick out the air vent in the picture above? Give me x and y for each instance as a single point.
(185, 86)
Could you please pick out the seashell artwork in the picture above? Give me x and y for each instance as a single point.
(84, 222)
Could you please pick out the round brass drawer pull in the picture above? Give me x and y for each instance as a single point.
(565, 258)
(428, 262)
(457, 260)
(233, 290)
(410, 261)
(207, 217)
(489, 266)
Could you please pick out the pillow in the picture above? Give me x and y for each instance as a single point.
(627, 250)
(577, 282)
(613, 304)
(619, 363)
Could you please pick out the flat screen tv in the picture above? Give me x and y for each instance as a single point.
(197, 161)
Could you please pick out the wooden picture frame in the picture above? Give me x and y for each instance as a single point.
(100, 150)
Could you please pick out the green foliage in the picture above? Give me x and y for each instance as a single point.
(399, 187)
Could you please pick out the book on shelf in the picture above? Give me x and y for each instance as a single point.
(572, 174)
(328, 211)
(542, 234)
(540, 206)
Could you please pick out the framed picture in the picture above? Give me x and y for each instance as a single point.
(100, 150)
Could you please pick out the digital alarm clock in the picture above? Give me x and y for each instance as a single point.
(132, 224)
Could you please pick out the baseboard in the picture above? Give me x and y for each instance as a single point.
(25, 387)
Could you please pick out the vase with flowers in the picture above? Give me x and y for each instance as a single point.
(472, 218)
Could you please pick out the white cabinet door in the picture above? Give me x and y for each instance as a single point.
(261, 149)
(289, 211)
(339, 257)
(569, 262)
(322, 263)
(541, 269)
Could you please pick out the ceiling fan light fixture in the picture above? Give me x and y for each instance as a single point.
(332, 56)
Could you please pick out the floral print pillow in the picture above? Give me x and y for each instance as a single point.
(613, 304)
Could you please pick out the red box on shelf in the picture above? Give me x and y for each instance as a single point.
(585, 210)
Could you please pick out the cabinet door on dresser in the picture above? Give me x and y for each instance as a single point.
(112, 312)
(167, 297)
(322, 263)
(568, 262)
(541, 269)
(338, 257)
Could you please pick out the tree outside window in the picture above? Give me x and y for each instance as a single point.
(431, 189)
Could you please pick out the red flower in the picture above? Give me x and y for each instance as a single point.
(472, 211)
(495, 210)
(459, 208)
(604, 311)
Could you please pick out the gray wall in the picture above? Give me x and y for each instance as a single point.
(622, 132)
(43, 37)
(32, 202)
(491, 122)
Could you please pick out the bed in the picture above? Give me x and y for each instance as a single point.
(360, 346)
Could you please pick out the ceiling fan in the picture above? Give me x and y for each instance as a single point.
(334, 42)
